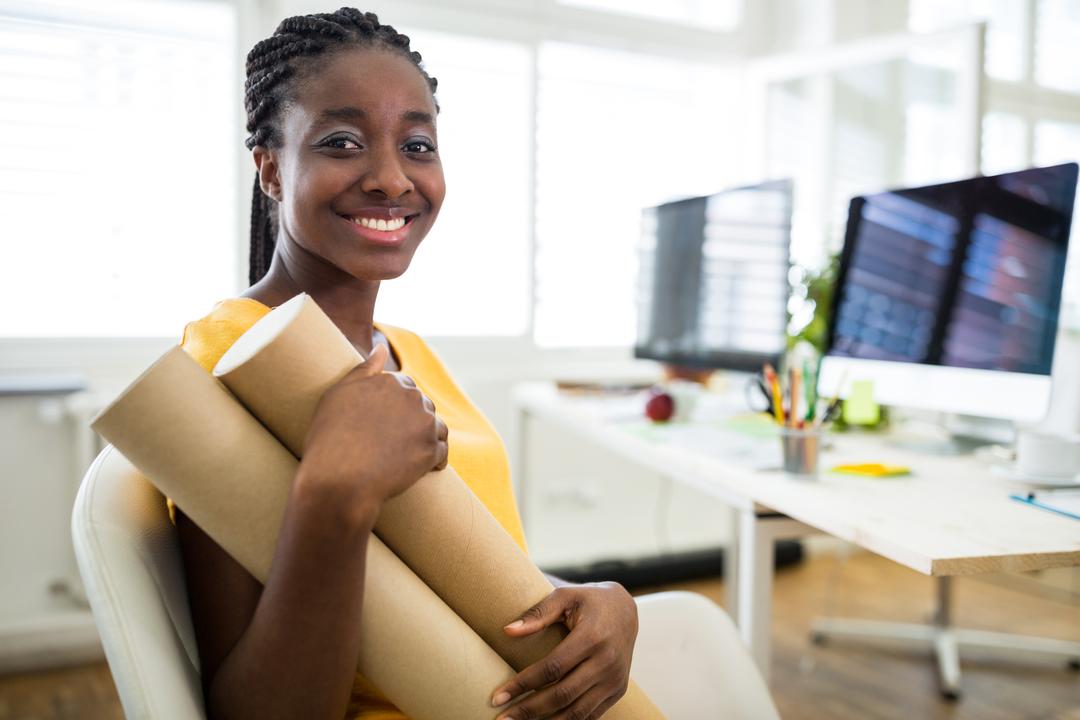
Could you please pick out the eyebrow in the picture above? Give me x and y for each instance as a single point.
(349, 113)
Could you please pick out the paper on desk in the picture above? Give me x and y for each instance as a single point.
(183, 430)
(280, 368)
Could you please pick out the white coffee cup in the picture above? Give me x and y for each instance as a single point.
(1041, 453)
(685, 394)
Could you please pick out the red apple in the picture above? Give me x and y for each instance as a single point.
(660, 406)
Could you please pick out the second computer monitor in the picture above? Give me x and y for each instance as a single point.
(713, 280)
(948, 295)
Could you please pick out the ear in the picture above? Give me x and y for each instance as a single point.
(269, 171)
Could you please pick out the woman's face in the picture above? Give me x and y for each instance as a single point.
(359, 180)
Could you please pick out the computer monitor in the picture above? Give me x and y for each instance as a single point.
(713, 278)
(948, 295)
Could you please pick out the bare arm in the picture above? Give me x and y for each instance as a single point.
(288, 650)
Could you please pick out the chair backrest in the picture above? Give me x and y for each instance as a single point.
(129, 558)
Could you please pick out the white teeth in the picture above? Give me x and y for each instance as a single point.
(381, 225)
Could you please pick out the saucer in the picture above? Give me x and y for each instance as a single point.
(1010, 473)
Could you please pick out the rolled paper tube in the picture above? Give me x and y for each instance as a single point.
(280, 369)
(183, 430)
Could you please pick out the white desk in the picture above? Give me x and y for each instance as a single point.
(951, 516)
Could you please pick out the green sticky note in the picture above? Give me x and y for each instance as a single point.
(859, 407)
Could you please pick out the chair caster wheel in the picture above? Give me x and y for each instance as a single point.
(817, 638)
(1073, 664)
(950, 695)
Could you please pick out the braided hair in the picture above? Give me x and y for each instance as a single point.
(272, 65)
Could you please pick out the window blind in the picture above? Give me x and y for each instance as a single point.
(118, 140)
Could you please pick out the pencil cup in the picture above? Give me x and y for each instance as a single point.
(800, 448)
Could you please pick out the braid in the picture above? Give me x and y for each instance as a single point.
(271, 64)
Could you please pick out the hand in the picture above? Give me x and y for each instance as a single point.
(374, 433)
(589, 670)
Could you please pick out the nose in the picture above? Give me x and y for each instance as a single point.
(385, 175)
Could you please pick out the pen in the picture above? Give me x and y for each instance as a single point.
(778, 398)
(793, 388)
(811, 391)
(834, 402)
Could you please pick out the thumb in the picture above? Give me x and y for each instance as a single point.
(375, 361)
(547, 612)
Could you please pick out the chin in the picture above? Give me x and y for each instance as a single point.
(374, 272)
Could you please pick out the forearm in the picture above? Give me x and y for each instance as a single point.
(297, 656)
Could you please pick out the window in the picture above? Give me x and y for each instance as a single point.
(617, 132)
(1057, 142)
(118, 144)
(470, 275)
(1055, 54)
(711, 14)
(1005, 20)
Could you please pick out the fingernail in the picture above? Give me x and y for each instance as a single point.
(516, 624)
(500, 699)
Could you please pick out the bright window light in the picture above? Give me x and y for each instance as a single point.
(617, 132)
(1056, 31)
(118, 146)
(470, 275)
(1058, 142)
(710, 14)
(1005, 20)
(1003, 143)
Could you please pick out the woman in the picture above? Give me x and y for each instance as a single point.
(342, 122)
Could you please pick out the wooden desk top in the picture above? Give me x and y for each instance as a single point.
(951, 516)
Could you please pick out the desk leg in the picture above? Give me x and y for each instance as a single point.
(519, 461)
(731, 567)
(755, 571)
(757, 532)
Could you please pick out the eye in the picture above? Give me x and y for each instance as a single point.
(341, 142)
(418, 146)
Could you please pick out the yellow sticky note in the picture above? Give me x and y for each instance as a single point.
(872, 469)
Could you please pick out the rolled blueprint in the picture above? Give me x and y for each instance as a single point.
(280, 368)
(183, 430)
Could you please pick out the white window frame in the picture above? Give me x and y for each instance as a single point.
(529, 23)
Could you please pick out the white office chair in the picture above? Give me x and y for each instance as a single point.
(688, 656)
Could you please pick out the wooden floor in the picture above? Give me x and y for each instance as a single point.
(835, 682)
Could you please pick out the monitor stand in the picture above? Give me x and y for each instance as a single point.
(948, 433)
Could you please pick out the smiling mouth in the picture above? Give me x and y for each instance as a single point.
(380, 224)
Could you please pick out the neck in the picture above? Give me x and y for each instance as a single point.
(348, 301)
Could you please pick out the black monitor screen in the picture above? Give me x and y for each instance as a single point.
(965, 274)
(713, 281)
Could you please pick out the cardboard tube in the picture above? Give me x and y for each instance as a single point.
(184, 431)
(280, 368)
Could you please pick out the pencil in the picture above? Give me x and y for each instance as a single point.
(794, 389)
(778, 397)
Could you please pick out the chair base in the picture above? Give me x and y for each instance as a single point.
(944, 639)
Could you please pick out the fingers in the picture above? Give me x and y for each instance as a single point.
(373, 363)
(566, 656)
(573, 697)
(408, 382)
(554, 608)
(605, 706)
(404, 379)
(442, 455)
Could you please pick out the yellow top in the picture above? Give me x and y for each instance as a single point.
(476, 451)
